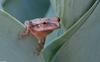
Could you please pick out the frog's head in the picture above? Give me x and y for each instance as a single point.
(44, 24)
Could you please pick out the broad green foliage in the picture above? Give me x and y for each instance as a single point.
(53, 48)
(76, 41)
(84, 45)
(12, 47)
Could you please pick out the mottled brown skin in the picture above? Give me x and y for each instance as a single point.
(40, 28)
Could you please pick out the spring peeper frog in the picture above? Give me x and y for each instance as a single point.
(40, 28)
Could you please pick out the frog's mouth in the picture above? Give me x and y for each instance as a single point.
(49, 27)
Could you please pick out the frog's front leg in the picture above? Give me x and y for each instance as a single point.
(40, 45)
(26, 33)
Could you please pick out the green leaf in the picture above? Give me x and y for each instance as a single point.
(51, 51)
(84, 45)
(12, 47)
(15, 49)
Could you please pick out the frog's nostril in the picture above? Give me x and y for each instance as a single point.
(58, 19)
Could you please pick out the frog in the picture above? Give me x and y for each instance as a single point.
(41, 28)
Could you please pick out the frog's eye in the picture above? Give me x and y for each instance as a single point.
(44, 22)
